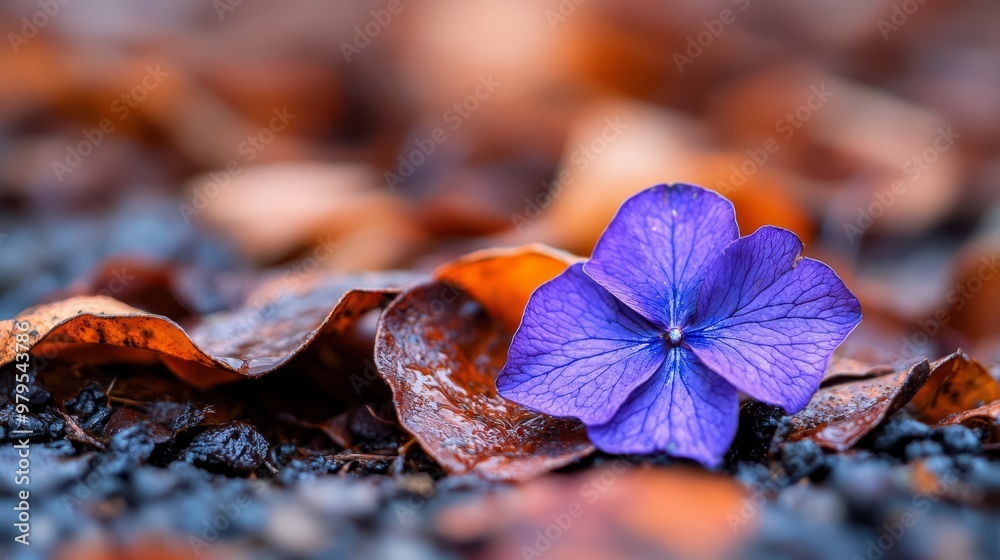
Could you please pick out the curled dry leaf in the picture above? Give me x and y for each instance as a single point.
(957, 383)
(440, 351)
(837, 417)
(986, 418)
(276, 322)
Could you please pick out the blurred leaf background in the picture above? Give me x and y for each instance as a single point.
(231, 135)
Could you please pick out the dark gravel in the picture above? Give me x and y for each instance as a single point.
(195, 477)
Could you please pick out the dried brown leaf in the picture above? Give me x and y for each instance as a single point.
(278, 320)
(957, 383)
(986, 418)
(440, 352)
(837, 417)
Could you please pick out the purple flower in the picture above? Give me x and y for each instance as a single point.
(649, 342)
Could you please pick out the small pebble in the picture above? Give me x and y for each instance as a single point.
(234, 445)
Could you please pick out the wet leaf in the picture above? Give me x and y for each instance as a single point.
(957, 383)
(440, 352)
(278, 320)
(837, 417)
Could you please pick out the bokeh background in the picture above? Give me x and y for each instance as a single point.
(205, 140)
(232, 134)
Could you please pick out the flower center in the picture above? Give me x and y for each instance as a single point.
(674, 334)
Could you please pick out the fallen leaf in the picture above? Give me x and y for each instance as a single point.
(502, 280)
(341, 209)
(986, 418)
(837, 417)
(765, 197)
(855, 137)
(957, 383)
(973, 291)
(440, 352)
(278, 320)
(654, 146)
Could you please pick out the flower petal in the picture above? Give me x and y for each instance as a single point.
(768, 320)
(579, 351)
(655, 251)
(685, 410)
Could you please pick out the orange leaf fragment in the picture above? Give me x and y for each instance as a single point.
(986, 418)
(957, 383)
(502, 280)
